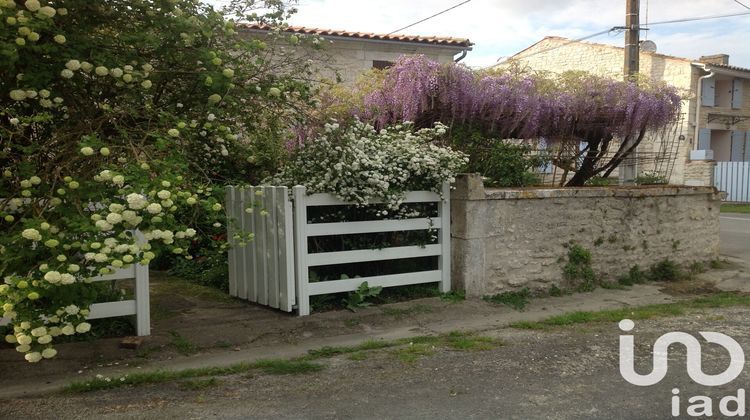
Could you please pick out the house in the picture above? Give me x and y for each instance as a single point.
(716, 105)
(353, 53)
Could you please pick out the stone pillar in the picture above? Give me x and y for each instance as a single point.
(467, 236)
(700, 173)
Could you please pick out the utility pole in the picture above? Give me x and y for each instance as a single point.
(632, 38)
(628, 170)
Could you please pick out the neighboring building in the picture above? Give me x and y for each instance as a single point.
(722, 109)
(356, 52)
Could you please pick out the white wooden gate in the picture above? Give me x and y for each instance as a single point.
(734, 179)
(274, 268)
(261, 270)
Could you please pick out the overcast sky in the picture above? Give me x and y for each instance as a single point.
(503, 27)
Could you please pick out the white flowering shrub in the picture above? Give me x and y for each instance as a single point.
(359, 164)
(117, 116)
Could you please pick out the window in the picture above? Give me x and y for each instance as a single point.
(381, 64)
(724, 93)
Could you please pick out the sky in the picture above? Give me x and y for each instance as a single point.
(503, 27)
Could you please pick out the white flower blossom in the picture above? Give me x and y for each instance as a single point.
(103, 225)
(18, 94)
(34, 356)
(154, 208)
(31, 234)
(136, 201)
(32, 5)
(47, 12)
(53, 277)
(83, 327)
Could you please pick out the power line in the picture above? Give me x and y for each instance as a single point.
(429, 17)
(572, 41)
(644, 27)
(742, 4)
(693, 19)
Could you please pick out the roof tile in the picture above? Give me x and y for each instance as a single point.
(435, 40)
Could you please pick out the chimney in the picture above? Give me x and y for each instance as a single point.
(715, 59)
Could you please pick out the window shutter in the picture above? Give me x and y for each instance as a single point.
(746, 156)
(704, 139)
(738, 146)
(737, 93)
(708, 92)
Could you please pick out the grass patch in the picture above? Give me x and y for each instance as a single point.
(735, 208)
(198, 384)
(610, 285)
(330, 351)
(718, 264)
(665, 270)
(287, 367)
(170, 286)
(414, 351)
(407, 349)
(718, 300)
(182, 345)
(635, 276)
(516, 300)
(157, 376)
(276, 367)
(454, 296)
(358, 356)
(463, 341)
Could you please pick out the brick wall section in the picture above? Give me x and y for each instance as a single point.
(504, 240)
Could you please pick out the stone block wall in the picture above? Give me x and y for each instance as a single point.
(700, 173)
(508, 239)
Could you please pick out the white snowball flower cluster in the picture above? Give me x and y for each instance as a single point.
(32, 234)
(136, 201)
(359, 164)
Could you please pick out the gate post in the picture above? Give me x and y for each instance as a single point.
(300, 250)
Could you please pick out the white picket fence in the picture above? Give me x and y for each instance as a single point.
(734, 179)
(274, 268)
(138, 306)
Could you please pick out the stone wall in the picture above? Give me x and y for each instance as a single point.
(507, 239)
(353, 57)
(700, 173)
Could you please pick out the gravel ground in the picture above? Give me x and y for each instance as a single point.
(565, 373)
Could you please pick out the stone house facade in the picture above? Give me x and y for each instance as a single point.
(353, 53)
(716, 104)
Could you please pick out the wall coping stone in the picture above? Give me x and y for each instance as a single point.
(470, 187)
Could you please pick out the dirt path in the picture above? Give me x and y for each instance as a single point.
(564, 373)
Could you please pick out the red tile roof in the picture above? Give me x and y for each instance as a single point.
(433, 40)
(728, 67)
